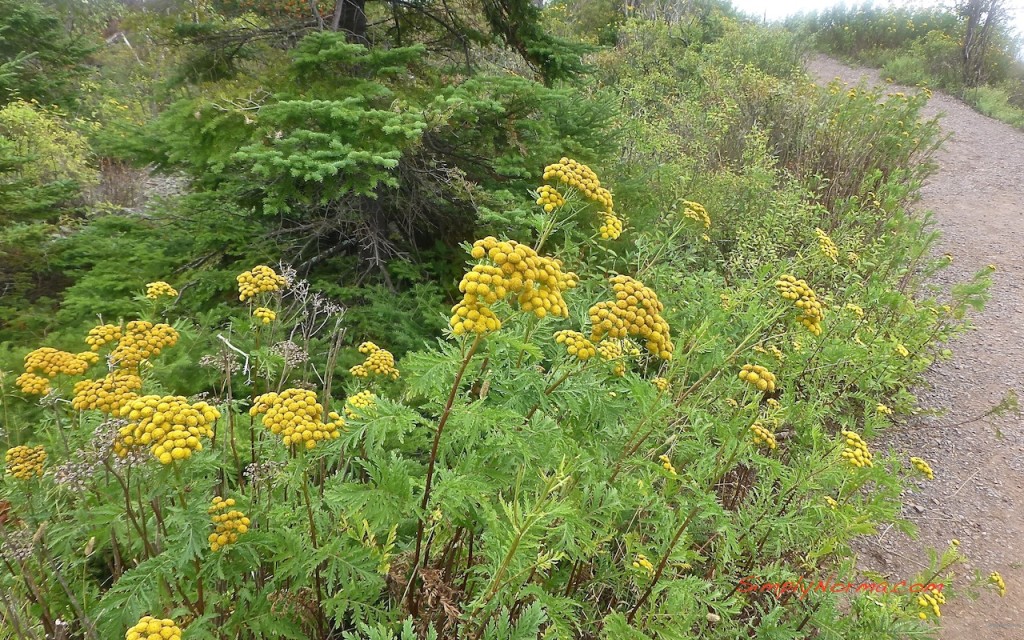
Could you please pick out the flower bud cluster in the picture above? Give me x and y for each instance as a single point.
(160, 288)
(296, 416)
(763, 437)
(576, 344)
(636, 311)
(803, 297)
(358, 402)
(168, 425)
(379, 362)
(511, 268)
(150, 628)
(108, 394)
(856, 450)
(25, 462)
(261, 279)
(921, 465)
(230, 523)
(758, 376)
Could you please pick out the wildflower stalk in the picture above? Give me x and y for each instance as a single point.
(231, 417)
(33, 589)
(181, 485)
(90, 627)
(551, 389)
(4, 403)
(312, 538)
(445, 414)
(13, 617)
(535, 515)
(129, 511)
(629, 449)
(678, 535)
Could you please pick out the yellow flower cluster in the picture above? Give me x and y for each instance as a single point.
(803, 297)
(33, 385)
(576, 344)
(826, 245)
(929, 602)
(583, 179)
(50, 362)
(549, 198)
(856, 309)
(230, 524)
(763, 436)
(856, 450)
(883, 409)
(900, 349)
(264, 314)
(474, 317)
(831, 502)
(696, 211)
(141, 341)
(661, 384)
(160, 288)
(103, 334)
(921, 465)
(24, 462)
(262, 279)
(997, 581)
(365, 399)
(758, 376)
(667, 465)
(636, 311)
(150, 628)
(296, 416)
(611, 227)
(612, 350)
(108, 394)
(538, 282)
(168, 425)
(643, 563)
(379, 362)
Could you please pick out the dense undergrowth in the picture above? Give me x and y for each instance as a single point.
(924, 47)
(251, 410)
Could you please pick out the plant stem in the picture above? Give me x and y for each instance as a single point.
(445, 414)
(312, 538)
(675, 540)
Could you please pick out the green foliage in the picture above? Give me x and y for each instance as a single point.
(38, 60)
(47, 148)
(996, 102)
(517, 23)
(495, 486)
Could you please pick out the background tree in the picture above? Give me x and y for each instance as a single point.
(38, 60)
(983, 22)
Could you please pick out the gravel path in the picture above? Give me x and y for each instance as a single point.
(977, 496)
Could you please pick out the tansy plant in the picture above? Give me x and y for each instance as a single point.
(595, 448)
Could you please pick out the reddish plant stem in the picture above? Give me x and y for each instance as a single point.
(445, 414)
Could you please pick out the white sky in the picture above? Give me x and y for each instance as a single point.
(777, 9)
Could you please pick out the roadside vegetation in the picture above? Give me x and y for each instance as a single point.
(967, 49)
(452, 321)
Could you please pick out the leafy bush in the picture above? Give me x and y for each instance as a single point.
(38, 60)
(640, 402)
(995, 103)
(51, 150)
